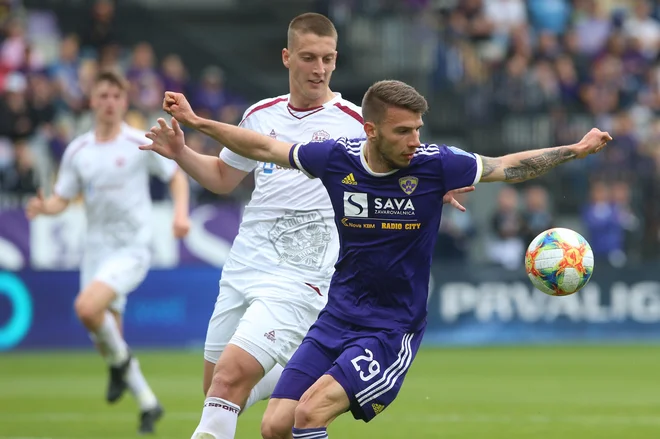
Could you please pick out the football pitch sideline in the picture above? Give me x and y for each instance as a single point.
(577, 392)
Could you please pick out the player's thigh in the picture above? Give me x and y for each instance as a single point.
(227, 312)
(372, 368)
(279, 315)
(313, 358)
(123, 271)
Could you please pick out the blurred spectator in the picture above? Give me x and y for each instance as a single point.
(643, 27)
(146, 85)
(17, 118)
(456, 231)
(100, 29)
(603, 222)
(174, 74)
(629, 220)
(537, 216)
(507, 248)
(214, 99)
(592, 26)
(21, 178)
(65, 72)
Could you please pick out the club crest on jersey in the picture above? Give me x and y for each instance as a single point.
(408, 184)
(320, 136)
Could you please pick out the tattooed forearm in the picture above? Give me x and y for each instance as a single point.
(537, 165)
(489, 166)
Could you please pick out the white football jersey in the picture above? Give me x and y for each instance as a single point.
(113, 178)
(288, 226)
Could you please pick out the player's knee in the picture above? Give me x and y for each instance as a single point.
(307, 415)
(275, 428)
(231, 383)
(88, 312)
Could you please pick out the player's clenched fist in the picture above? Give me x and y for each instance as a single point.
(592, 142)
(178, 107)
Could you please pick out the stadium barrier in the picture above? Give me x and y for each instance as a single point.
(467, 306)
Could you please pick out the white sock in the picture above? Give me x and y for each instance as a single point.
(112, 343)
(218, 421)
(265, 387)
(139, 387)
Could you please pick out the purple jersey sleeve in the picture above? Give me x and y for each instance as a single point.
(460, 168)
(311, 158)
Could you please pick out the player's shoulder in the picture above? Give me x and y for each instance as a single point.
(78, 144)
(132, 134)
(266, 105)
(347, 145)
(349, 110)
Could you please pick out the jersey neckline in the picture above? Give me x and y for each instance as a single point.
(365, 165)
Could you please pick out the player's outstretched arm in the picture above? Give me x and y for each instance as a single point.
(209, 171)
(521, 166)
(242, 141)
(246, 142)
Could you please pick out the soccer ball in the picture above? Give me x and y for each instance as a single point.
(559, 262)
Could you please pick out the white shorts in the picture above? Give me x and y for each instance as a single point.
(122, 270)
(266, 316)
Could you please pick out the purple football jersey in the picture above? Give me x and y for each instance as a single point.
(388, 224)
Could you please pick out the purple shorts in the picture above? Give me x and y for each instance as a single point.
(369, 363)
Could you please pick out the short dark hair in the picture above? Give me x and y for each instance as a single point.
(384, 94)
(113, 77)
(313, 23)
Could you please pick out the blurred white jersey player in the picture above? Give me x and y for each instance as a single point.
(112, 174)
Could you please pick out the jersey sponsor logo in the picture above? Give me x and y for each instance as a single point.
(394, 206)
(408, 184)
(377, 408)
(320, 136)
(268, 168)
(273, 134)
(356, 205)
(349, 179)
(301, 239)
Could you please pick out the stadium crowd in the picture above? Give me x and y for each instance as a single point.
(596, 58)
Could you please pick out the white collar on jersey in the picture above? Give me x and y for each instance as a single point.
(365, 165)
(328, 104)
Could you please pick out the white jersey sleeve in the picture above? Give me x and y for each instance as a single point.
(68, 184)
(238, 161)
(161, 167)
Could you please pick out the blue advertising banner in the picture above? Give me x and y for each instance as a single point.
(467, 306)
(486, 305)
(170, 309)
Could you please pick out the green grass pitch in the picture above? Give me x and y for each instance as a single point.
(577, 392)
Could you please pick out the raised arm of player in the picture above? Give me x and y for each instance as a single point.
(243, 142)
(240, 140)
(209, 171)
(521, 166)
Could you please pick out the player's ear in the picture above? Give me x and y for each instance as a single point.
(285, 57)
(370, 130)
